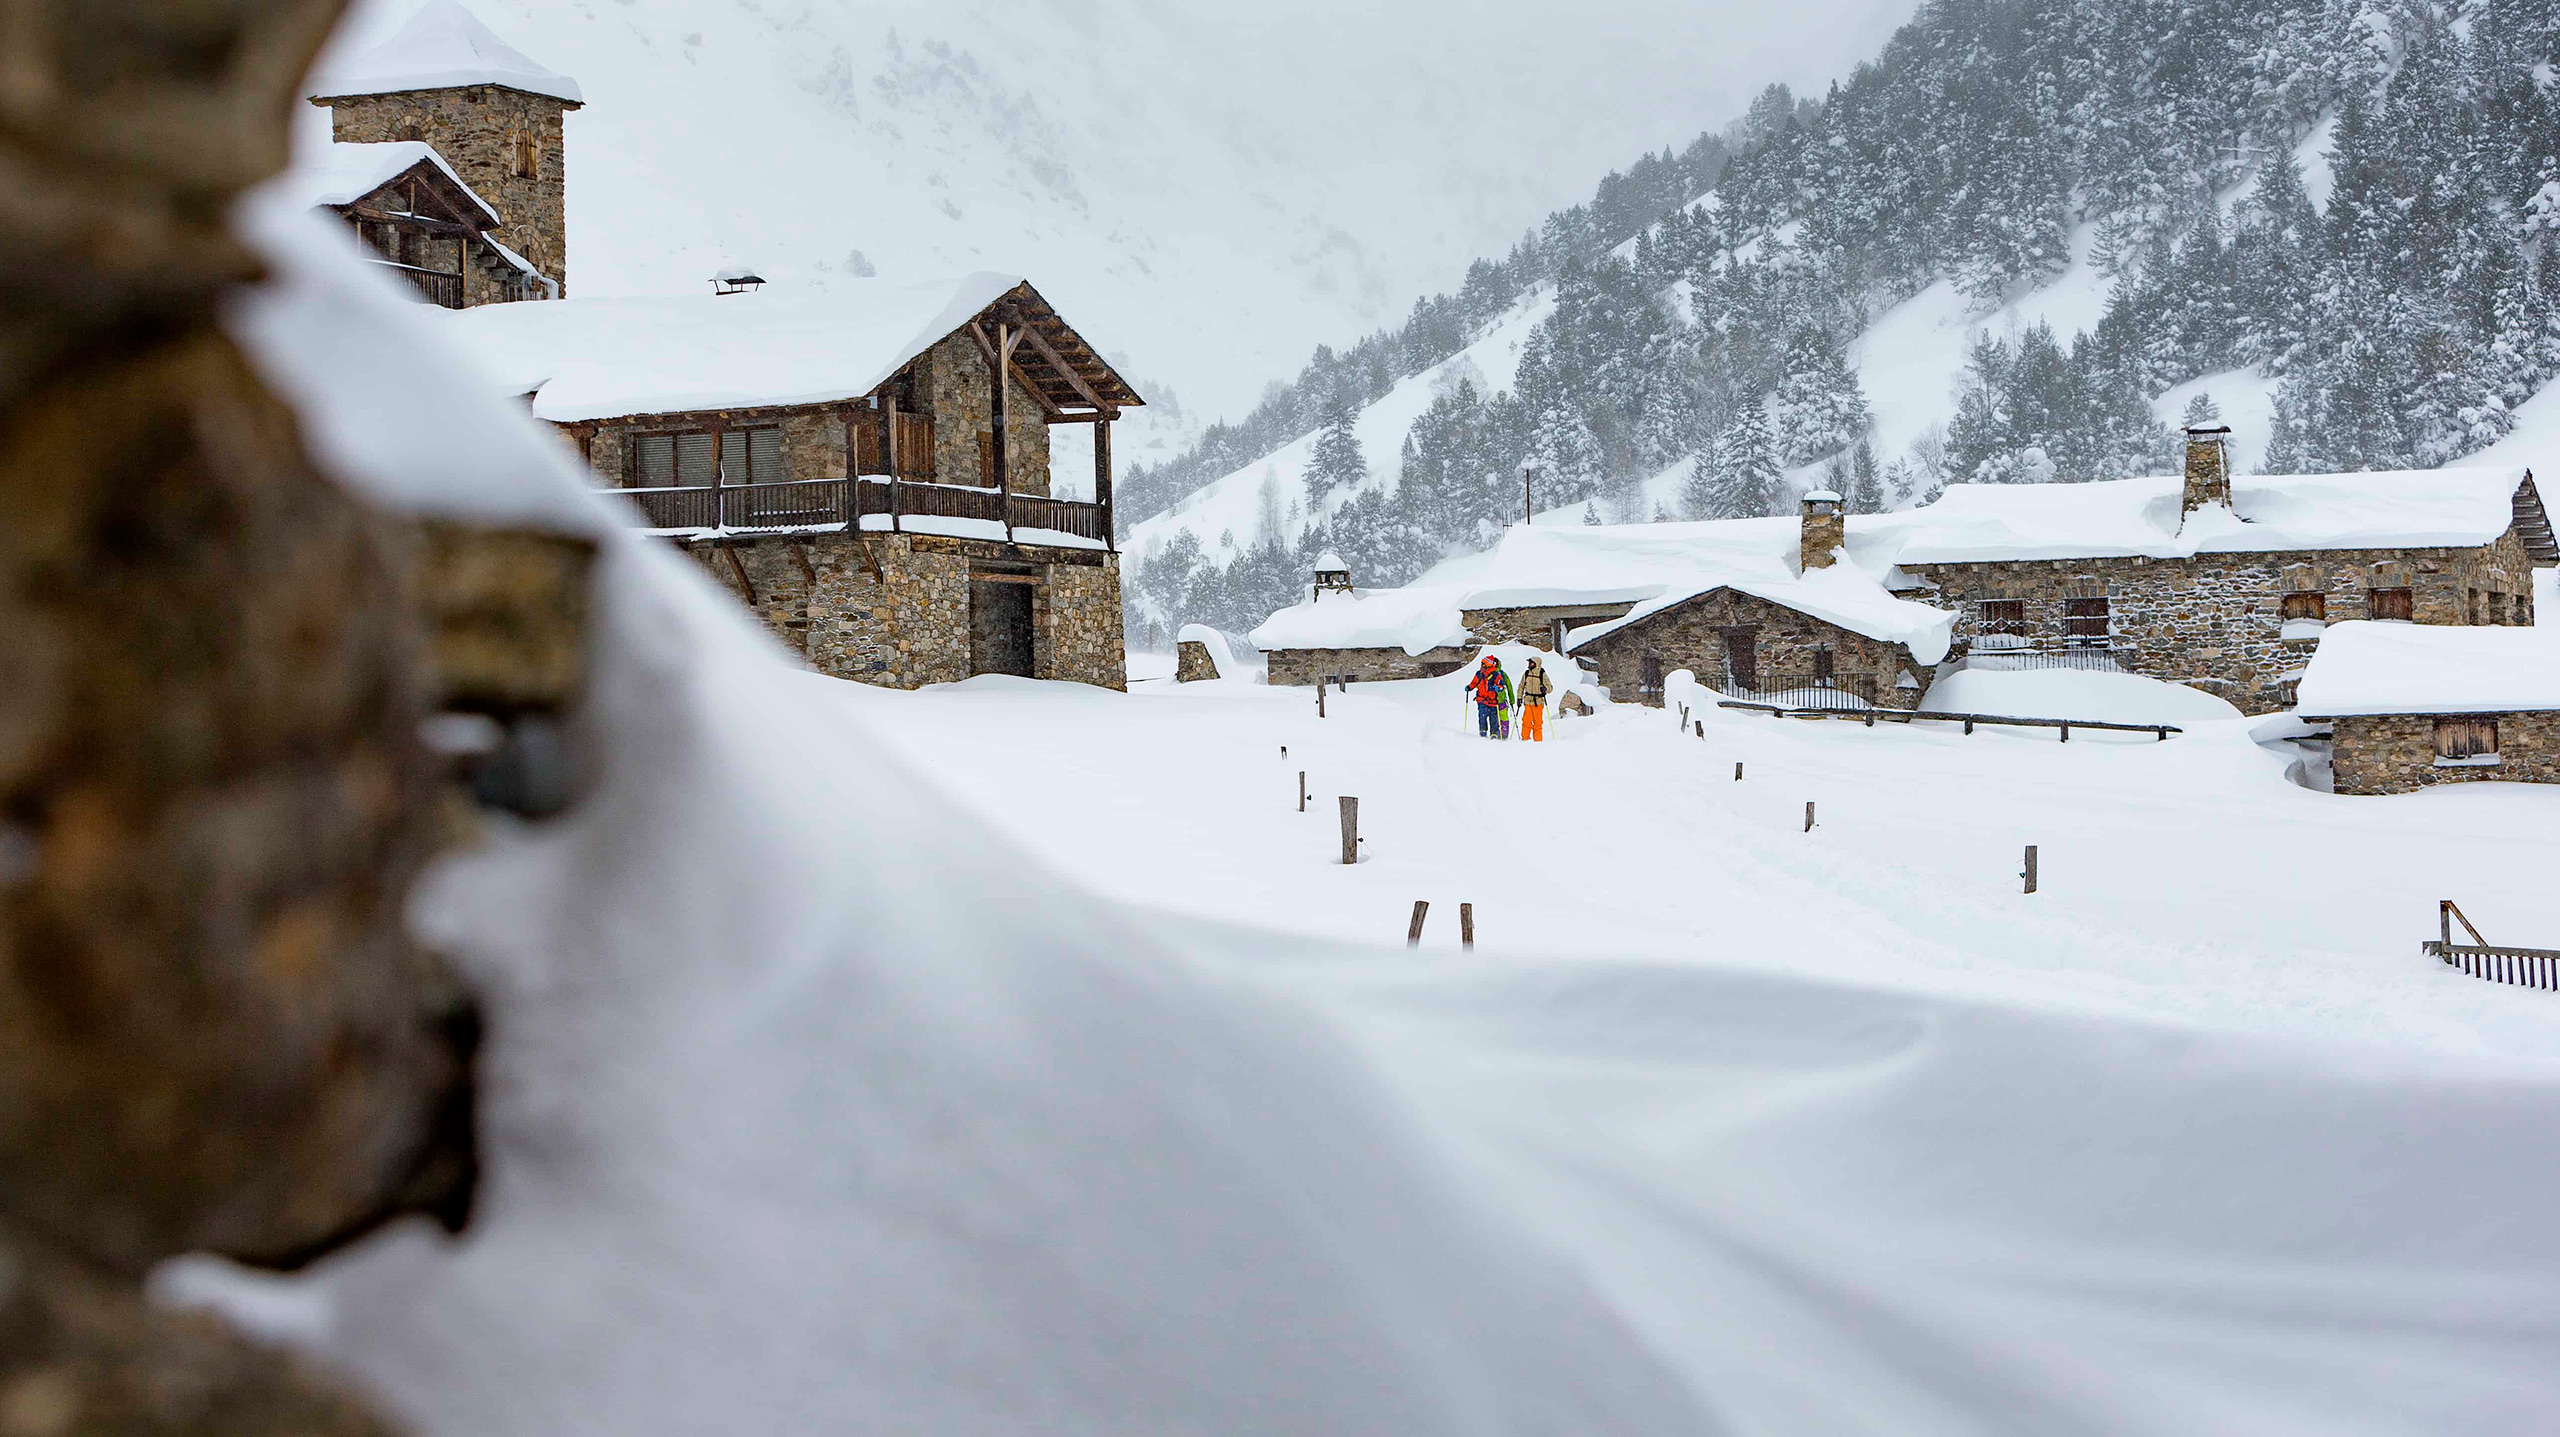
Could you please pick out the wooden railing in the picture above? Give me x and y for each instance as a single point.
(2523, 967)
(438, 287)
(818, 503)
(1904, 716)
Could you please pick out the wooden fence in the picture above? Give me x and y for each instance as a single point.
(2523, 967)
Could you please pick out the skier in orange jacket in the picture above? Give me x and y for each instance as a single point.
(1491, 689)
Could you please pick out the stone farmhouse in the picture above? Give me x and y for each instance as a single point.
(2411, 706)
(448, 157)
(2209, 579)
(2220, 581)
(866, 467)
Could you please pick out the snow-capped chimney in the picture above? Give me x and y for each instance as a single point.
(1825, 530)
(2208, 468)
(1332, 577)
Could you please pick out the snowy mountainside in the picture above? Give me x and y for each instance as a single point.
(1208, 190)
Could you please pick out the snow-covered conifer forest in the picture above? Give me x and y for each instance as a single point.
(2333, 212)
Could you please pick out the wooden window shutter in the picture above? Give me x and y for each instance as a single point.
(764, 456)
(2466, 737)
(697, 460)
(986, 459)
(655, 457)
(2392, 604)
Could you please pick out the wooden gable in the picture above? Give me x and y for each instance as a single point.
(423, 194)
(1072, 381)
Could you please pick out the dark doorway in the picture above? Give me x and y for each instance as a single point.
(999, 628)
(1742, 660)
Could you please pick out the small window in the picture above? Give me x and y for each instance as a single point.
(2466, 738)
(693, 460)
(2314, 605)
(528, 157)
(2400, 604)
(2085, 621)
(2001, 616)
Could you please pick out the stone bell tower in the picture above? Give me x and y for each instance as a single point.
(494, 115)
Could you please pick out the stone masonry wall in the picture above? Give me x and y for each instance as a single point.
(2396, 753)
(1302, 667)
(893, 609)
(1534, 627)
(1692, 636)
(2214, 620)
(954, 384)
(1192, 663)
(475, 130)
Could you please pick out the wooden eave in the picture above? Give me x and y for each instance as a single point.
(1072, 381)
(423, 194)
(2533, 524)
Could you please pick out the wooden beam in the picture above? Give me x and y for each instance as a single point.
(1102, 481)
(1040, 344)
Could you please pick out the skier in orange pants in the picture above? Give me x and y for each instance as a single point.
(1534, 688)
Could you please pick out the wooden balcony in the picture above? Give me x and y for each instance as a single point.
(823, 504)
(438, 287)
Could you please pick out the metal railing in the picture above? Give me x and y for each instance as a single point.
(2007, 653)
(1805, 691)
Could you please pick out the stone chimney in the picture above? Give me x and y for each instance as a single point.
(1332, 577)
(2208, 468)
(1826, 531)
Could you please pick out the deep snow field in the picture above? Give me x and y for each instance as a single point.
(2187, 881)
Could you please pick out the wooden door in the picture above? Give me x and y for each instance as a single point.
(1742, 660)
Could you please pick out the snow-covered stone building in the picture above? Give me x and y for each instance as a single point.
(450, 158)
(2411, 706)
(848, 464)
(2221, 581)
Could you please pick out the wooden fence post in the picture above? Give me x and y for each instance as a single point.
(1413, 934)
(1808, 817)
(1467, 926)
(1302, 790)
(1737, 773)
(1350, 830)
(1702, 728)
(2030, 873)
(2066, 732)
(1319, 698)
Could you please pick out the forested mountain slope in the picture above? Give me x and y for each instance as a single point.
(1992, 253)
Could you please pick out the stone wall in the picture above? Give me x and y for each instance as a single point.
(1302, 667)
(1535, 627)
(2396, 753)
(1691, 636)
(894, 609)
(475, 130)
(1192, 663)
(2215, 620)
(954, 385)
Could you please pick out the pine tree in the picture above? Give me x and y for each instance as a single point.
(1337, 462)
(1819, 408)
(2202, 411)
(1744, 480)
(1865, 491)
(1591, 514)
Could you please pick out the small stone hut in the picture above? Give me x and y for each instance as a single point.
(2219, 580)
(2412, 706)
(867, 467)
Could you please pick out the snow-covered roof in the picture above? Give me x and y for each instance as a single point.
(2268, 513)
(2364, 667)
(606, 358)
(1331, 563)
(443, 47)
(1652, 566)
(1821, 496)
(336, 174)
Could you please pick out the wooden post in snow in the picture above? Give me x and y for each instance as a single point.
(1350, 830)
(1302, 788)
(1413, 934)
(1737, 773)
(1319, 696)
(2030, 873)
(1467, 926)
(1808, 816)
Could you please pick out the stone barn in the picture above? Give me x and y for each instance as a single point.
(2412, 706)
(866, 467)
(2221, 581)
